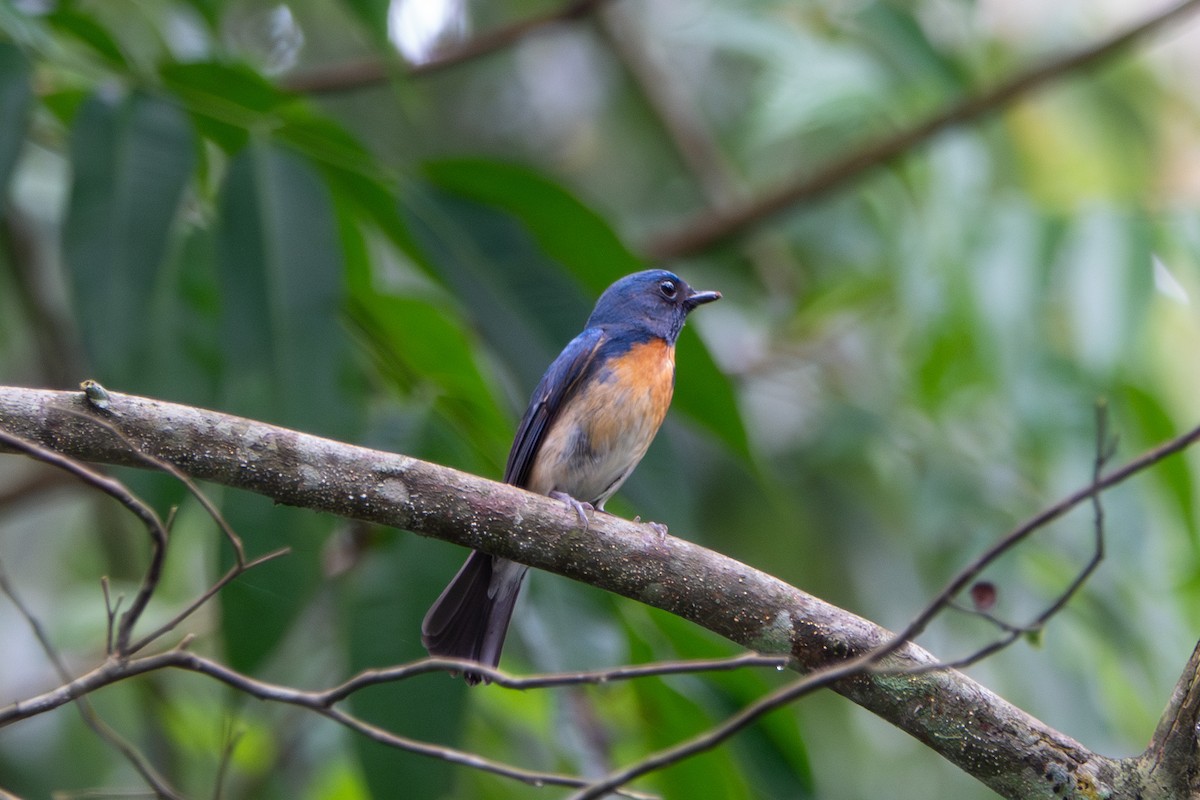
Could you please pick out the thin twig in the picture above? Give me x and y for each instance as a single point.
(117, 490)
(710, 229)
(231, 740)
(234, 572)
(86, 711)
(503, 679)
(110, 615)
(115, 670)
(324, 702)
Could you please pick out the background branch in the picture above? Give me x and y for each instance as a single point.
(375, 71)
(711, 229)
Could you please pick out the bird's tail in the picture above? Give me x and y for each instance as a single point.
(470, 618)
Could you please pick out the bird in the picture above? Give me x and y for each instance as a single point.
(588, 424)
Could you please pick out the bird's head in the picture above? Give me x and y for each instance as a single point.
(655, 300)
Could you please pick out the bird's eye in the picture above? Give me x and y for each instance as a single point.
(668, 289)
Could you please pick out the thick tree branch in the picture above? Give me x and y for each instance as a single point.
(711, 229)
(1172, 761)
(1006, 748)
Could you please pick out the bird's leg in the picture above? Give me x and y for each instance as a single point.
(580, 508)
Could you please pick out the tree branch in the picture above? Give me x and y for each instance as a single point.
(711, 229)
(1175, 747)
(374, 71)
(1009, 750)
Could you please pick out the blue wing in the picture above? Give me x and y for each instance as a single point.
(562, 378)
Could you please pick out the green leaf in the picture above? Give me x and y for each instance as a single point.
(227, 101)
(565, 229)
(373, 14)
(16, 100)
(131, 161)
(356, 178)
(380, 608)
(1172, 475)
(85, 29)
(417, 341)
(279, 269)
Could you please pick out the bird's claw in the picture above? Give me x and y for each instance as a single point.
(657, 527)
(581, 509)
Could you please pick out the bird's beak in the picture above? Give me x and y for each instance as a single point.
(700, 298)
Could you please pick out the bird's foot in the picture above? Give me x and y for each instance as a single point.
(657, 527)
(581, 509)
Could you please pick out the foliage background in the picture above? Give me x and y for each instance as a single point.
(900, 371)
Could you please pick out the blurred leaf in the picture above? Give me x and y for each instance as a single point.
(1107, 280)
(896, 30)
(16, 100)
(132, 159)
(279, 270)
(523, 306)
(565, 229)
(227, 101)
(381, 606)
(373, 14)
(1172, 475)
(85, 29)
(672, 717)
(772, 752)
(280, 275)
(65, 104)
(415, 341)
(357, 179)
(210, 10)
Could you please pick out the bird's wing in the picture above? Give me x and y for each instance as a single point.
(559, 383)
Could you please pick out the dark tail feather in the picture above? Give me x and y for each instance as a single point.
(470, 618)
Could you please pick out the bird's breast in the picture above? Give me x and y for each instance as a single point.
(606, 427)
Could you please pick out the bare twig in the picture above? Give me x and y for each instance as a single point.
(372, 72)
(710, 229)
(234, 572)
(324, 702)
(86, 711)
(231, 739)
(118, 491)
(115, 670)
(503, 679)
(110, 615)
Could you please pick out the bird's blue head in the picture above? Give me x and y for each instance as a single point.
(654, 301)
